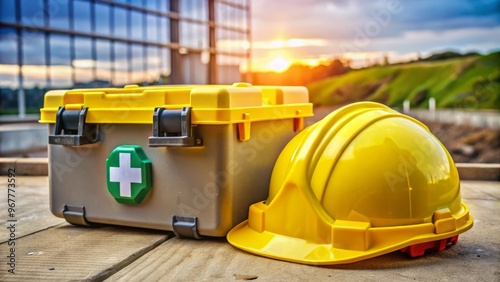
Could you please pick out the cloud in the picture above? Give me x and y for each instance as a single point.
(446, 15)
(338, 19)
(289, 43)
(427, 41)
(398, 28)
(399, 48)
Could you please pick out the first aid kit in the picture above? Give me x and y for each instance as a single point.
(187, 158)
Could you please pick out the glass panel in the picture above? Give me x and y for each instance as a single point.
(33, 48)
(186, 9)
(137, 3)
(153, 65)
(193, 35)
(228, 68)
(83, 62)
(103, 62)
(58, 13)
(193, 69)
(8, 46)
(163, 5)
(201, 36)
(32, 12)
(9, 69)
(200, 10)
(243, 19)
(164, 30)
(34, 70)
(120, 24)
(186, 34)
(152, 28)
(221, 12)
(102, 20)
(81, 14)
(152, 5)
(137, 31)
(138, 73)
(60, 61)
(165, 66)
(8, 11)
(121, 64)
(230, 16)
(230, 41)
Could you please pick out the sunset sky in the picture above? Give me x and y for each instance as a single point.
(314, 30)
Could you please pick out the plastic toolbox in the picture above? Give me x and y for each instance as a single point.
(190, 159)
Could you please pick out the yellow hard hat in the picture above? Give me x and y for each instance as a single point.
(364, 181)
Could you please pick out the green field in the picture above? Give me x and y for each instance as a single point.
(467, 82)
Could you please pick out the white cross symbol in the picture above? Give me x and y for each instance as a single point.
(125, 174)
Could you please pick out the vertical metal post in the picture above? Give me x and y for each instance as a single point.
(175, 56)
(406, 106)
(21, 104)
(212, 64)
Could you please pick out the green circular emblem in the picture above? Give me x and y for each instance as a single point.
(128, 174)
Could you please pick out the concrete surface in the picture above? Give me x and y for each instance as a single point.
(479, 171)
(25, 166)
(479, 118)
(22, 138)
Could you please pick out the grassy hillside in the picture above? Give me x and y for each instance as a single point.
(469, 82)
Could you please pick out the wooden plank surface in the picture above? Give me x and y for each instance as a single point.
(63, 252)
(32, 205)
(69, 252)
(474, 258)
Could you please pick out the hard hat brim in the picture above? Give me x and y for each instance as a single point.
(298, 250)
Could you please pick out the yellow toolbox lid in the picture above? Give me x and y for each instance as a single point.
(211, 104)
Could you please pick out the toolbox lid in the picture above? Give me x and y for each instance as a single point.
(211, 104)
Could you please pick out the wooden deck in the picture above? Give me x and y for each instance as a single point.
(49, 249)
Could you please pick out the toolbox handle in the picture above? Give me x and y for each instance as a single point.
(172, 128)
(72, 129)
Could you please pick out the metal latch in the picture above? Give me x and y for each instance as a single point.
(71, 128)
(185, 226)
(173, 128)
(75, 215)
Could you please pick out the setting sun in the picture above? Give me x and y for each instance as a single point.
(279, 65)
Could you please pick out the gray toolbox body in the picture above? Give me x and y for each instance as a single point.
(199, 155)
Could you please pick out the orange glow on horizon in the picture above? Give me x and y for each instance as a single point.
(280, 61)
(279, 64)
